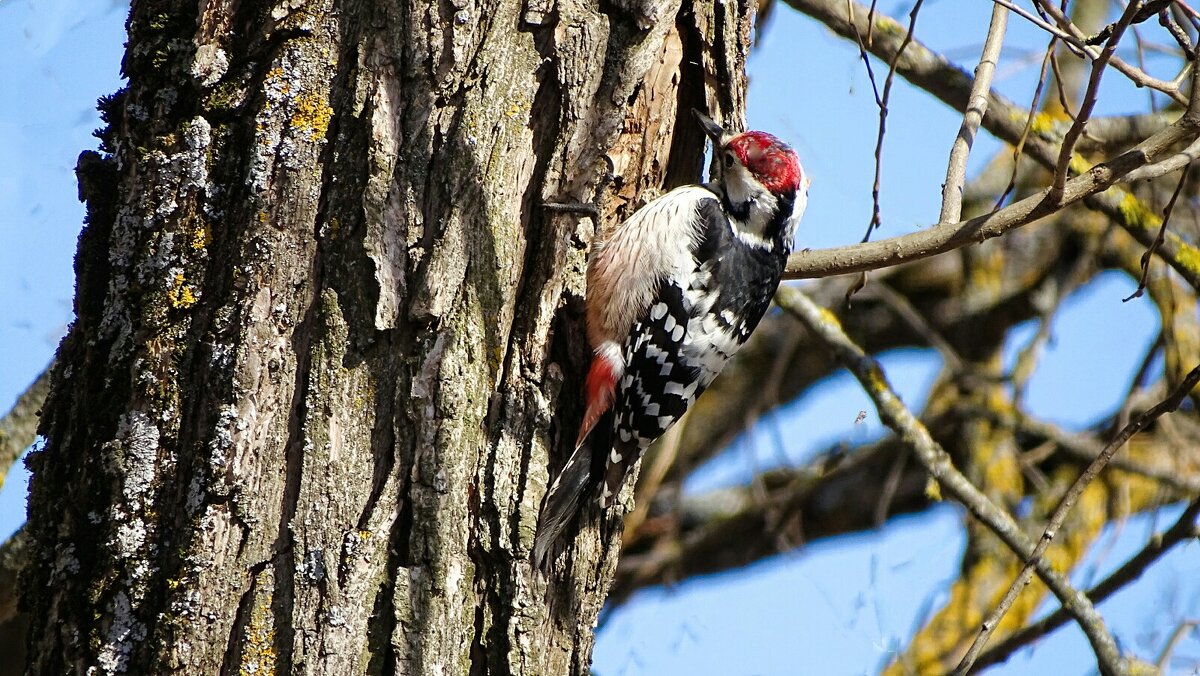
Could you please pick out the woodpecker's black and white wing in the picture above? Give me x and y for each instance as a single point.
(696, 322)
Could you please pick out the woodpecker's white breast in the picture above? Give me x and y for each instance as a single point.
(653, 244)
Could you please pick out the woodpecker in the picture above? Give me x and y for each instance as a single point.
(672, 293)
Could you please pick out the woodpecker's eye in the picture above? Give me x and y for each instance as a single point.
(728, 160)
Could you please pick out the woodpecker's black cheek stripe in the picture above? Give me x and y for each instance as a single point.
(787, 203)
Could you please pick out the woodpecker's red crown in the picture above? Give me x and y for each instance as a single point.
(772, 161)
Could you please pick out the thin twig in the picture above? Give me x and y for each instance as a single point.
(1085, 448)
(876, 217)
(1173, 163)
(863, 53)
(1079, 273)
(936, 461)
(1192, 14)
(1059, 516)
(1137, 383)
(1044, 25)
(1060, 86)
(933, 73)
(1033, 107)
(1135, 75)
(949, 236)
(1181, 630)
(1089, 101)
(910, 316)
(1141, 57)
(1160, 237)
(977, 102)
(890, 486)
(1145, 9)
(1185, 528)
(1181, 37)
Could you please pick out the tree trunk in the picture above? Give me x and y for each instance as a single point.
(328, 343)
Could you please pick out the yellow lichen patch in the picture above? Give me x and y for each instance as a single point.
(888, 26)
(1002, 473)
(829, 318)
(1044, 121)
(258, 647)
(181, 294)
(1079, 165)
(876, 381)
(1137, 214)
(933, 490)
(312, 115)
(1189, 257)
(201, 237)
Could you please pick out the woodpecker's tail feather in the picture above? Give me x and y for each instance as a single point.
(562, 504)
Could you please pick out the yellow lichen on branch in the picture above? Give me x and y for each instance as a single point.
(258, 648)
(181, 294)
(201, 237)
(312, 115)
(1137, 213)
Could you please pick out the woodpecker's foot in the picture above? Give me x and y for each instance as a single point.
(573, 208)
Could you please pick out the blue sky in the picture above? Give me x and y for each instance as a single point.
(838, 606)
(56, 58)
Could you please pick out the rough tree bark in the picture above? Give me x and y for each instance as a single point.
(327, 340)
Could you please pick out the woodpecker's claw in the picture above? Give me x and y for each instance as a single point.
(573, 208)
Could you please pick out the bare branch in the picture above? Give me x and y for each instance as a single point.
(1006, 121)
(876, 216)
(1044, 25)
(910, 316)
(1181, 630)
(1160, 237)
(1019, 148)
(1135, 75)
(1060, 513)
(1114, 132)
(937, 462)
(1142, 10)
(1181, 37)
(1185, 528)
(949, 236)
(1086, 449)
(1089, 101)
(734, 526)
(1079, 273)
(18, 427)
(956, 172)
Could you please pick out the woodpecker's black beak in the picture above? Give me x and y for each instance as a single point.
(712, 129)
